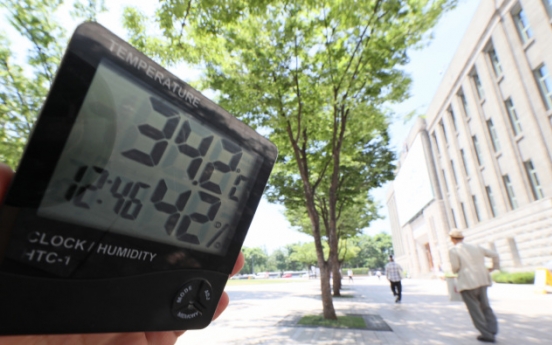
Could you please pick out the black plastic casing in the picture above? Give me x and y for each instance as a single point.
(96, 293)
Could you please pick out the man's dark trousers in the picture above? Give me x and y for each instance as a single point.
(480, 311)
(396, 287)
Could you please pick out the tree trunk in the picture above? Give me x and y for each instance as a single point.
(301, 159)
(327, 301)
(340, 271)
(334, 264)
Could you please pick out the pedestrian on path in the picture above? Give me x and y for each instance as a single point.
(473, 279)
(393, 271)
(350, 274)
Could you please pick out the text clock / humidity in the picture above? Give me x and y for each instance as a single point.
(134, 196)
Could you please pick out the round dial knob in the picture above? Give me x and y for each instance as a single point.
(192, 299)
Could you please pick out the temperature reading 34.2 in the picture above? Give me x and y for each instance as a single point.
(154, 171)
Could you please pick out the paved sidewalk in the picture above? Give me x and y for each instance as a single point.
(257, 315)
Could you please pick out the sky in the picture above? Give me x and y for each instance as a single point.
(269, 229)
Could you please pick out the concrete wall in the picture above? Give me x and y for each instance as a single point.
(519, 228)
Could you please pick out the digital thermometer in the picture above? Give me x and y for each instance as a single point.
(131, 202)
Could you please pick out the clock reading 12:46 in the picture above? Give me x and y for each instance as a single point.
(137, 165)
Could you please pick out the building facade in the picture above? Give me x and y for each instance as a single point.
(487, 142)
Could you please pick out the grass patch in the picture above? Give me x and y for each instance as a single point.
(347, 321)
(235, 282)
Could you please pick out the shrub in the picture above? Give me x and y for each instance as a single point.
(514, 278)
(356, 271)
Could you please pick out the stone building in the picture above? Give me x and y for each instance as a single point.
(482, 159)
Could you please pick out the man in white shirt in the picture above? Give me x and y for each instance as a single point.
(468, 261)
(393, 271)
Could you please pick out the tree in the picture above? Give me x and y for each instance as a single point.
(277, 261)
(23, 86)
(255, 259)
(318, 75)
(374, 251)
(88, 10)
(350, 222)
(305, 253)
(291, 263)
(21, 93)
(348, 250)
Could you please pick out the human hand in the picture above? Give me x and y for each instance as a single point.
(138, 338)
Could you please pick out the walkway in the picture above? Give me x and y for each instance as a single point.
(257, 315)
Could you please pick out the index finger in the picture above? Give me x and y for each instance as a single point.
(240, 261)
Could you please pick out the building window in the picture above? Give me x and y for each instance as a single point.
(442, 124)
(453, 218)
(445, 179)
(545, 85)
(533, 178)
(510, 191)
(512, 114)
(477, 148)
(436, 142)
(548, 5)
(464, 214)
(494, 135)
(492, 203)
(452, 118)
(522, 25)
(476, 208)
(495, 62)
(478, 86)
(454, 172)
(464, 103)
(465, 162)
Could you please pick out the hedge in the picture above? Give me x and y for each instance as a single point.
(356, 271)
(514, 278)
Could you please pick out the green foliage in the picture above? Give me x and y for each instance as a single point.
(277, 261)
(283, 259)
(304, 254)
(513, 278)
(374, 251)
(88, 10)
(351, 221)
(25, 82)
(316, 77)
(255, 260)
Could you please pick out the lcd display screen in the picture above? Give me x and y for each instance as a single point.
(137, 165)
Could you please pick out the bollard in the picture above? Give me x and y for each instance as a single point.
(543, 278)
